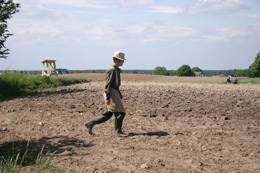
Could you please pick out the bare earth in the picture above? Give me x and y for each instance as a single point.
(173, 127)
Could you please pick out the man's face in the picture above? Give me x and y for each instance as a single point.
(120, 62)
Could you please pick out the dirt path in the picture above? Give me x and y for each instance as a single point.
(174, 127)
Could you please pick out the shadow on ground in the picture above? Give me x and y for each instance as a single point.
(159, 133)
(27, 152)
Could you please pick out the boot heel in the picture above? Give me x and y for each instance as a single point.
(89, 127)
(121, 134)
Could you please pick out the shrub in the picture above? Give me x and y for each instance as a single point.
(160, 71)
(15, 84)
(185, 70)
(254, 69)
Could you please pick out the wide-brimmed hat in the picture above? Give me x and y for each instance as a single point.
(119, 55)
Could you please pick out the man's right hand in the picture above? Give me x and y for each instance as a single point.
(107, 101)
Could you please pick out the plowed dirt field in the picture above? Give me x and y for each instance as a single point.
(174, 127)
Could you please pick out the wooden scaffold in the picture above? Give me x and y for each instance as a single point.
(49, 67)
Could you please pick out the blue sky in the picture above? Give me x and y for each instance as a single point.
(83, 34)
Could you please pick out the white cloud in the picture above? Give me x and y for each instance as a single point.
(254, 28)
(136, 3)
(74, 3)
(222, 35)
(38, 11)
(100, 31)
(63, 26)
(252, 15)
(216, 6)
(150, 5)
(166, 9)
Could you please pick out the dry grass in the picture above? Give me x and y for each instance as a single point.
(149, 78)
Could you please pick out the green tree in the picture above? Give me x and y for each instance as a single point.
(7, 9)
(160, 71)
(197, 69)
(241, 73)
(184, 70)
(171, 72)
(254, 69)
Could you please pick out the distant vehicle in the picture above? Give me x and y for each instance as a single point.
(62, 71)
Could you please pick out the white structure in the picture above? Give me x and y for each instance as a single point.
(49, 67)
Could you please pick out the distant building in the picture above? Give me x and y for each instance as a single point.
(199, 74)
(62, 71)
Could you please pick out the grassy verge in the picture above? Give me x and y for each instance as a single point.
(249, 81)
(161, 79)
(19, 156)
(16, 84)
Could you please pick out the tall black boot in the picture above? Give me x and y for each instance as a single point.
(97, 120)
(119, 117)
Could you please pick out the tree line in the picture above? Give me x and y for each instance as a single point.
(186, 70)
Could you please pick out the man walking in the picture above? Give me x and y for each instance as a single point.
(113, 97)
